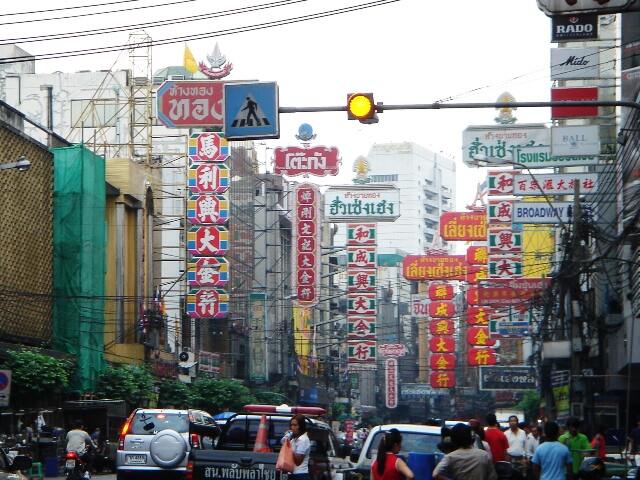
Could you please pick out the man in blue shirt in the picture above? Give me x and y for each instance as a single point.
(552, 460)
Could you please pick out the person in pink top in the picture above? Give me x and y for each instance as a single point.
(598, 443)
(387, 465)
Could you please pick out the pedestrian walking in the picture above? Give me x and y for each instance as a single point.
(388, 465)
(599, 443)
(465, 462)
(479, 440)
(552, 460)
(301, 446)
(577, 442)
(533, 441)
(516, 438)
(496, 439)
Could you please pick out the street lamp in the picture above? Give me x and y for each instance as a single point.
(481, 160)
(22, 164)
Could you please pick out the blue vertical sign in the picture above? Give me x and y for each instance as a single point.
(251, 111)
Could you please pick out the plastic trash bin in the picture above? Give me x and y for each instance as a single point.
(51, 466)
(422, 465)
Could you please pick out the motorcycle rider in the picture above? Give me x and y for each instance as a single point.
(79, 441)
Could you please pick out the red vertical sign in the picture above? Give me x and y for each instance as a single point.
(306, 244)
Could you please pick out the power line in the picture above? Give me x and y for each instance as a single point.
(230, 31)
(67, 8)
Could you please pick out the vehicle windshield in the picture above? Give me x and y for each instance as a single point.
(158, 421)
(411, 442)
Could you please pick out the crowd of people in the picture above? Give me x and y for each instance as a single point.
(476, 452)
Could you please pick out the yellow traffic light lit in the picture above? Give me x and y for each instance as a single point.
(360, 106)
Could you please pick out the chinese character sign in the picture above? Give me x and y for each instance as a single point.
(361, 328)
(442, 361)
(480, 337)
(442, 344)
(500, 182)
(208, 239)
(444, 309)
(361, 351)
(361, 257)
(442, 326)
(391, 382)
(440, 291)
(361, 234)
(477, 255)
(306, 249)
(481, 356)
(504, 240)
(477, 315)
(500, 211)
(439, 379)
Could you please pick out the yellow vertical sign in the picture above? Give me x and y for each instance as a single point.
(302, 337)
(538, 245)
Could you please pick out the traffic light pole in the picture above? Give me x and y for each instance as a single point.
(380, 107)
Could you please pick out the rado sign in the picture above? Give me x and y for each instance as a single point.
(566, 28)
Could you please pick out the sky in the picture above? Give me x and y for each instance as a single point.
(408, 51)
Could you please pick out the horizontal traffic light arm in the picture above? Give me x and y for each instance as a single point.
(380, 107)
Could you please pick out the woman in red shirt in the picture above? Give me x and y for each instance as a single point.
(387, 465)
(599, 443)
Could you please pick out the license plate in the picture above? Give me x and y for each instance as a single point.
(135, 459)
(70, 464)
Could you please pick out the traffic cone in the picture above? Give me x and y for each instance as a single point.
(262, 438)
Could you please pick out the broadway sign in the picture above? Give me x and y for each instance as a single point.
(542, 212)
(514, 291)
(507, 378)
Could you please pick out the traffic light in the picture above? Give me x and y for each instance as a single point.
(361, 106)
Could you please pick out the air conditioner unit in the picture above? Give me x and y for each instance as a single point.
(186, 359)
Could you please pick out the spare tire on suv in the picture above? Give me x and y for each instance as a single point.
(168, 448)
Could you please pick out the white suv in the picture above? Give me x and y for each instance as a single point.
(155, 443)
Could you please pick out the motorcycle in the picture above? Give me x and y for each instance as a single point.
(75, 467)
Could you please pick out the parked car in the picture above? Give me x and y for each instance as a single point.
(155, 443)
(415, 438)
(12, 466)
(233, 456)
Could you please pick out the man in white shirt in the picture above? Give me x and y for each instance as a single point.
(533, 440)
(516, 438)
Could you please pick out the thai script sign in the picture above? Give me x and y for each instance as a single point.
(575, 141)
(434, 267)
(306, 248)
(555, 184)
(190, 103)
(392, 350)
(368, 203)
(319, 161)
(515, 143)
(391, 382)
(507, 378)
(467, 226)
(505, 292)
(542, 212)
(574, 63)
(415, 391)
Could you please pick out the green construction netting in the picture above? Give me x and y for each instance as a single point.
(79, 260)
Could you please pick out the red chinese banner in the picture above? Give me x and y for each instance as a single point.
(434, 267)
(442, 380)
(306, 244)
(480, 336)
(442, 361)
(477, 273)
(477, 255)
(473, 297)
(477, 315)
(441, 327)
(442, 309)
(442, 345)
(391, 382)
(467, 226)
(481, 356)
(440, 291)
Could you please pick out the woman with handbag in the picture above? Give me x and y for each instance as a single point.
(388, 465)
(300, 447)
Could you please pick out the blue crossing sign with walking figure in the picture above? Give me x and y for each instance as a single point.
(251, 111)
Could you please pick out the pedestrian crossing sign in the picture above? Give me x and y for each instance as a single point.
(251, 111)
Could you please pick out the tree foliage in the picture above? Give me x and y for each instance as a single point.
(266, 397)
(217, 395)
(530, 404)
(35, 374)
(131, 383)
(175, 394)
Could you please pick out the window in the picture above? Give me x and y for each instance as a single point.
(384, 178)
(93, 113)
(411, 442)
(156, 422)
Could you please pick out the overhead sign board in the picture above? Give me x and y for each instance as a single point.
(435, 267)
(516, 143)
(569, 94)
(318, 161)
(516, 291)
(190, 103)
(505, 329)
(362, 203)
(251, 111)
(575, 63)
(572, 7)
(542, 212)
(555, 184)
(507, 378)
(567, 28)
(467, 226)
(575, 140)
